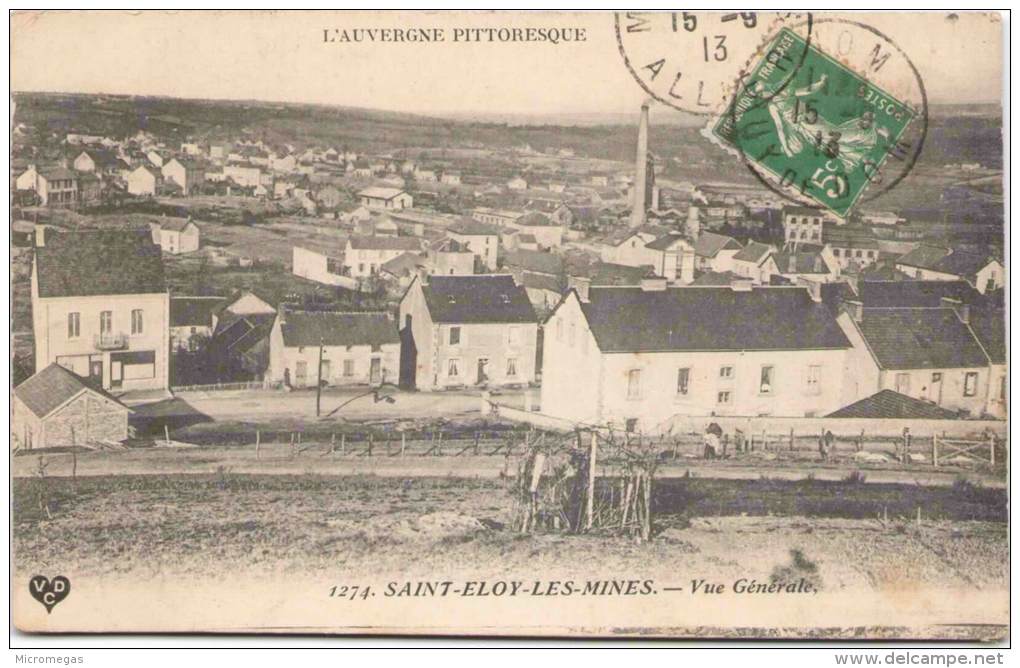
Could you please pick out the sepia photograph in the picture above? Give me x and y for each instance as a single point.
(676, 325)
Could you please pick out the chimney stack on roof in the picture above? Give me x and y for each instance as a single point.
(855, 309)
(581, 285)
(653, 284)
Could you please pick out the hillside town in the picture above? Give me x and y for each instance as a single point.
(603, 292)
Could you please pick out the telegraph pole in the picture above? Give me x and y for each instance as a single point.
(318, 382)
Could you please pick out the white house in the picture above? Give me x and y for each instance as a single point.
(926, 353)
(755, 261)
(630, 249)
(481, 238)
(363, 256)
(188, 175)
(714, 252)
(176, 235)
(672, 257)
(385, 198)
(467, 330)
(644, 357)
(355, 348)
(144, 181)
(192, 318)
(547, 233)
(100, 308)
(517, 183)
(55, 186)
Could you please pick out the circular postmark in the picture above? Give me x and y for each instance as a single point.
(846, 127)
(689, 60)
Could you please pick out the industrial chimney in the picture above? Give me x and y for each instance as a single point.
(637, 214)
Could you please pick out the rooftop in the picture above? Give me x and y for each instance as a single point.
(99, 262)
(888, 404)
(331, 328)
(710, 318)
(378, 192)
(709, 244)
(52, 387)
(471, 227)
(385, 243)
(920, 338)
(477, 299)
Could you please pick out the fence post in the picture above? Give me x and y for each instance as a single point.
(791, 439)
(590, 500)
(370, 439)
(332, 442)
(860, 441)
(258, 442)
(476, 442)
(166, 433)
(343, 443)
(935, 449)
(439, 444)
(403, 442)
(991, 448)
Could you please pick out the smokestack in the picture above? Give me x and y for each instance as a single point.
(40, 236)
(637, 214)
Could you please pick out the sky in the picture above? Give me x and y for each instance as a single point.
(282, 56)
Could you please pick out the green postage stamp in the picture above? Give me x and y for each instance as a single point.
(824, 132)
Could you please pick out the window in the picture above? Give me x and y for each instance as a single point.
(726, 372)
(936, 377)
(631, 425)
(348, 368)
(137, 324)
(106, 322)
(73, 325)
(767, 379)
(683, 381)
(454, 336)
(634, 384)
(511, 367)
(835, 252)
(723, 397)
(970, 384)
(514, 335)
(814, 378)
(453, 368)
(903, 383)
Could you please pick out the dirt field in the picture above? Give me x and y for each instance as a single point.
(368, 524)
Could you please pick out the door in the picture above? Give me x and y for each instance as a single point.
(483, 370)
(325, 372)
(116, 373)
(96, 371)
(301, 374)
(375, 371)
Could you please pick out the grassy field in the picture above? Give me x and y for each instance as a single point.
(369, 525)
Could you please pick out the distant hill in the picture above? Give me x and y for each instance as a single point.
(957, 133)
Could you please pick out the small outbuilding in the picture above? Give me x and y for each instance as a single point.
(57, 408)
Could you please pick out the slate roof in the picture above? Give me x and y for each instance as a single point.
(709, 244)
(477, 299)
(99, 262)
(665, 242)
(915, 293)
(403, 264)
(532, 260)
(385, 243)
(947, 260)
(989, 326)
(175, 224)
(798, 210)
(57, 173)
(892, 404)
(920, 338)
(541, 282)
(710, 318)
(51, 387)
(472, 227)
(194, 311)
(753, 252)
(309, 328)
(801, 261)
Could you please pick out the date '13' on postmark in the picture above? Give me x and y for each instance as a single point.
(824, 136)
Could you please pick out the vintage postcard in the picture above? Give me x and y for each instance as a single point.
(527, 324)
